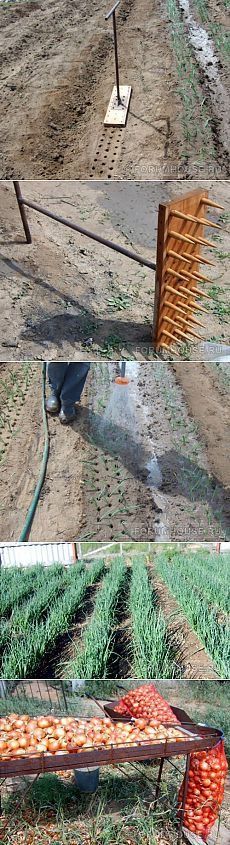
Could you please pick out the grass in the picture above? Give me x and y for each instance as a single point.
(200, 583)
(151, 656)
(91, 659)
(220, 308)
(24, 655)
(113, 343)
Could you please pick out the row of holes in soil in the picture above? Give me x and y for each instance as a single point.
(105, 469)
(106, 152)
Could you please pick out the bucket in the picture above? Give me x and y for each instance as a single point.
(87, 780)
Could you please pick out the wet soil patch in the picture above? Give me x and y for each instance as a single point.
(117, 503)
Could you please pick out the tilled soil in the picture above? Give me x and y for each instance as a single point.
(138, 464)
(64, 296)
(57, 78)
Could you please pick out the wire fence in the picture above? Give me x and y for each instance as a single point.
(87, 550)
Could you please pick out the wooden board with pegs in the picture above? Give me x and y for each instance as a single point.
(181, 268)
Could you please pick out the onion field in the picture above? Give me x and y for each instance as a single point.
(116, 617)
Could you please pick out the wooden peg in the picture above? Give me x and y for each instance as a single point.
(172, 336)
(194, 275)
(193, 219)
(194, 334)
(196, 322)
(213, 204)
(178, 256)
(169, 320)
(167, 346)
(187, 291)
(169, 304)
(181, 333)
(205, 242)
(199, 307)
(174, 291)
(178, 275)
(186, 312)
(200, 292)
(188, 319)
(185, 307)
(180, 237)
(195, 257)
(191, 239)
(200, 276)
(189, 331)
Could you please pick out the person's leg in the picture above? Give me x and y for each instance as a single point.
(72, 388)
(56, 375)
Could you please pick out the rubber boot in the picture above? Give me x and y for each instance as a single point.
(67, 417)
(53, 404)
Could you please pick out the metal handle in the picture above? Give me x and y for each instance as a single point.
(112, 10)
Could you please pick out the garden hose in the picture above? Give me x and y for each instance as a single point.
(30, 514)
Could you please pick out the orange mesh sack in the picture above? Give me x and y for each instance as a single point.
(207, 775)
(146, 702)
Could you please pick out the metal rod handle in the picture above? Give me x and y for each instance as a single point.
(82, 231)
(116, 59)
(112, 10)
(22, 211)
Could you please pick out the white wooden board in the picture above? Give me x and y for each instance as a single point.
(117, 115)
(221, 837)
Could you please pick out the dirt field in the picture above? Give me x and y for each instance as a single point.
(57, 77)
(66, 296)
(141, 462)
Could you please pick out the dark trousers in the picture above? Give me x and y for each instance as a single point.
(67, 381)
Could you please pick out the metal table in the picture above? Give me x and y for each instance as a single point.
(199, 738)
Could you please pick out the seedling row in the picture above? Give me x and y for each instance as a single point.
(40, 606)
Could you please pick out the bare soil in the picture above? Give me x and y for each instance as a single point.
(136, 465)
(64, 296)
(57, 77)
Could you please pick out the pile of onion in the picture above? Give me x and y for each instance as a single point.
(147, 702)
(207, 775)
(22, 735)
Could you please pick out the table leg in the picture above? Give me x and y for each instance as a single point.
(158, 783)
(184, 796)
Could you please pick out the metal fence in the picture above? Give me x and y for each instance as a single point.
(36, 696)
